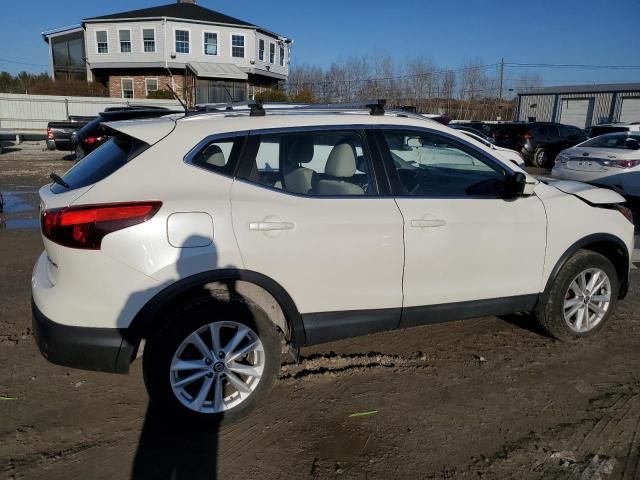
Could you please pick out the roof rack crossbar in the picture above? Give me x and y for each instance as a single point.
(376, 107)
(256, 107)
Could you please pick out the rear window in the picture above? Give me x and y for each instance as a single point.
(509, 129)
(101, 163)
(616, 140)
(595, 131)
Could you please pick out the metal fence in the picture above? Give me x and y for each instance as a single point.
(33, 112)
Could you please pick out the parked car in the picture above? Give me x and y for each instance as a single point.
(613, 128)
(611, 160)
(483, 127)
(59, 133)
(472, 130)
(504, 153)
(539, 142)
(220, 237)
(92, 135)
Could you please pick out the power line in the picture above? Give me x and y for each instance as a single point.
(7, 60)
(570, 65)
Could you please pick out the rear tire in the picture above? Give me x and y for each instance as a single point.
(582, 298)
(540, 159)
(167, 354)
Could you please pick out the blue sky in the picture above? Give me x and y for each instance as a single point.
(448, 32)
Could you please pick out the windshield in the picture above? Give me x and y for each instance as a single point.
(613, 140)
(101, 163)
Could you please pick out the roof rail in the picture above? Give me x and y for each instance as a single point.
(256, 107)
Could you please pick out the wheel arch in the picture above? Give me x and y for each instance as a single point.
(606, 244)
(247, 285)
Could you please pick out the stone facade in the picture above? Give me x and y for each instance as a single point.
(139, 82)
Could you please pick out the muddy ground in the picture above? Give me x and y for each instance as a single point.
(486, 398)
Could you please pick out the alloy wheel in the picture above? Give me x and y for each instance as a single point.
(217, 367)
(587, 300)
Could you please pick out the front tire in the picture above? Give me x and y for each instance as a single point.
(581, 299)
(214, 363)
(540, 159)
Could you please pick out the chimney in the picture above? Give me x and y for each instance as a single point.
(187, 1)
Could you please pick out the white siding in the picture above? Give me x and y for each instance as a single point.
(167, 46)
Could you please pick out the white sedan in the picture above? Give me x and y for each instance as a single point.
(500, 152)
(611, 160)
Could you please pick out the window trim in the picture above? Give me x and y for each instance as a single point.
(264, 45)
(98, 52)
(155, 38)
(130, 40)
(146, 89)
(369, 148)
(175, 40)
(244, 43)
(204, 43)
(391, 171)
(272, 44)
(133, 88)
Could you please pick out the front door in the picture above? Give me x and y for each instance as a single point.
(468, 251)
(307, 212)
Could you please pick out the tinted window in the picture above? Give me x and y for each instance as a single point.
(101, 163)
(430, 165)
(218, 155)
(510, 129)
(314, 163)
(547, 130)
(610, 141)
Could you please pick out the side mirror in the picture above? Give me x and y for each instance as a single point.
(515, 186)
(632, 144)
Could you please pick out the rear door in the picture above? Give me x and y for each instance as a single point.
(310, 211)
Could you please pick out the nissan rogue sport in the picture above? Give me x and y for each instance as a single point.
(211, 242)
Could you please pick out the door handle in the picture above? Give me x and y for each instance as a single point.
(428, 223)
(270, 226)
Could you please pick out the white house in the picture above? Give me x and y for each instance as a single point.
(205, 56)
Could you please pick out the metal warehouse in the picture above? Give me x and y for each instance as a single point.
(581, 105)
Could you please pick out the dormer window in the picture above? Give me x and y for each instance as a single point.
(281, 55)
(261, 50)
(149, 40)
(237, 46)
(272, 53)
(124, 36)
(102, 41)
(182, 41)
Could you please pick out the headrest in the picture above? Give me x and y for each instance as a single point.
(213, 156)
(301, 151)
(342, 161)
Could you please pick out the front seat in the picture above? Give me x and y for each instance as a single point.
(341, 165)
(299, 179)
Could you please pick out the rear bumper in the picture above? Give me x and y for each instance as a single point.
(99, 349)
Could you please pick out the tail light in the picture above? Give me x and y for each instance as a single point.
(527, 136)
(49, 133)
(622, 163)
(85, 227)
(92, 140)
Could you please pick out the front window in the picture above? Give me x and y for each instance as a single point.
(431, 165)
(313, 164)
(102, 40)
(151, 85)
(272, 53)
(127, 88)
(125, 41)
(210, 43)
(237, 46)
(149, 40)
(182, 41)
(282, 56)
(261, 50)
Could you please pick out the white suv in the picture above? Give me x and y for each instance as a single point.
(220, 238)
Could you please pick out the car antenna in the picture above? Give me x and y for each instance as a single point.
(184, 105)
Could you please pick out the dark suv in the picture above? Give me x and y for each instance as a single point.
(539, 142)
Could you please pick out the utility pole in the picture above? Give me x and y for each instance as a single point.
(501, 77)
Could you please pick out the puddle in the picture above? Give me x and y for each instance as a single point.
(15, 202)
(20, 223)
